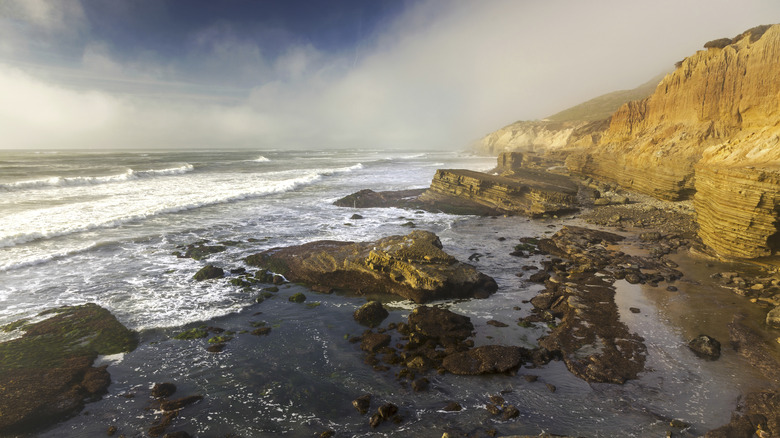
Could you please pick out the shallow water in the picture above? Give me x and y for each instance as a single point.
(300, 379)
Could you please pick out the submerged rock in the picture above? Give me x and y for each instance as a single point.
(484, 360)
(705, 347)
(412, 266)
(47, 375)
(371, 314)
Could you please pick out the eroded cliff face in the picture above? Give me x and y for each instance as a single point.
(542, 136)
(712, 128)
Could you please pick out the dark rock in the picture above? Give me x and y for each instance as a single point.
(372, 342)
(209, 272)
(262, 331)
(705, 347)
(590, 338)
(484, 360)
(497, 400)
(173, 405)
(356, 217)
(237, 271)
(111, 430)
(634, 309)
(370, 314)
(530, 378)
(509, 413)
(539, 277)
(278, 279)
(387, 410)
(420, 384)
(633, 278)
(375, 421)
(163, 390)
(439, 324)
(216, 348)
(371, 199)
(199, 252)
(551, 387)
(493, 409)
(495, 323)
(452, 407)
(46, 374)
(362, 403)
(297, 298)
(671, 288)
(322, 289)
(412, 266)
(328, 434)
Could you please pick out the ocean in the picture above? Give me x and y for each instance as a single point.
(104, 227)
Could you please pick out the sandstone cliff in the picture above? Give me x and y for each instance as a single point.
(712, 128)
(580, 125)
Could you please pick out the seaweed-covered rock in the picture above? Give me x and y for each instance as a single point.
(208, 272)
(199, 252)
(412, 266)
(370, 314)
(47, 375)
(484, 360)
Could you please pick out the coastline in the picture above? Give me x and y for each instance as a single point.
(485, 234)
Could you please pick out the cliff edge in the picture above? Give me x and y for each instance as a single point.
(710, 131)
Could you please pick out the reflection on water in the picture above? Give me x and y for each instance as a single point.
(300, 379)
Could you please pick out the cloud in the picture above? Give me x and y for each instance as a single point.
(441, 75)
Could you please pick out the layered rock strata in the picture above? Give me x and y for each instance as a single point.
(412, 266)
(712, 127)
(528, 192)
(737, 210)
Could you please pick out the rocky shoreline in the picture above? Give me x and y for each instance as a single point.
(577, 304)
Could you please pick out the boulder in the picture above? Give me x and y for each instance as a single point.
(440, 325)
(370, 314)
(705, 347)
(485, 360)
(47, 375)
(209, 272)
(413, 266)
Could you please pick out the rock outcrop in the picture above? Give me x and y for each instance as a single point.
(528, 192)
(737, 210)
(596, 346)
(47, 375)
(412, 266)
(712, 128)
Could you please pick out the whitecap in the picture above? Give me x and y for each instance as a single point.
(75, 181)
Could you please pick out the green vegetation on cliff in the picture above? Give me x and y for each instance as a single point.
(602, 107)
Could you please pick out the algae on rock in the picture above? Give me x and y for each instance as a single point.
(47, 374)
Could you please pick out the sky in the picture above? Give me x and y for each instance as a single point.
(278, 74)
